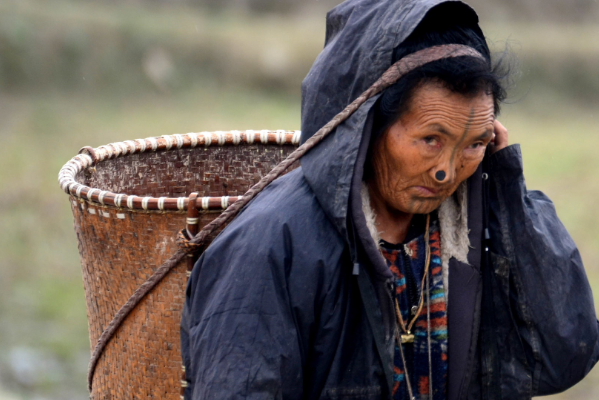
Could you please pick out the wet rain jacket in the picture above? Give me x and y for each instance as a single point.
(293, 300)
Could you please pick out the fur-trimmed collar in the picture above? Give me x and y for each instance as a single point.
(453, 227)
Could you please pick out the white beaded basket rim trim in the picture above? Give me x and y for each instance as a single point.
(84, 160)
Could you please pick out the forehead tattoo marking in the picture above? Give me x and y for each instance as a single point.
(462, 138)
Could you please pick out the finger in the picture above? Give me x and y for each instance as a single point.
(501, 136)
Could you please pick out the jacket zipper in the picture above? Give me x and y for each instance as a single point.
(411, 285)
(412, 294)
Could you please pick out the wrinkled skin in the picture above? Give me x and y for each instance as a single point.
(442, 132)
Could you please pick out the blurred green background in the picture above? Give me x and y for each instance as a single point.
(75, 73)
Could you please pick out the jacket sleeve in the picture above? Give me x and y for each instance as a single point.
(549, 294)
(238, 336)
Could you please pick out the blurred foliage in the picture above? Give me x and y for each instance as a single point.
(82, 72)
(529, 10)
(122, 48)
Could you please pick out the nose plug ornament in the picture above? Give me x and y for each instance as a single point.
(440, 176)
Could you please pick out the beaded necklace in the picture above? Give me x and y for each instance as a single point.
(407, 336)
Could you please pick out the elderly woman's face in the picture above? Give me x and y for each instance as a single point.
(436, 145)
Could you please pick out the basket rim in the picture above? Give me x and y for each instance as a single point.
(89, 157)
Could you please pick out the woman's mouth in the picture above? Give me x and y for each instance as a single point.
(425, 191)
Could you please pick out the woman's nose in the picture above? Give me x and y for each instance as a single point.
(442, 172)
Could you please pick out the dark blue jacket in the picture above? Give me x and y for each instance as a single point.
(292, 300)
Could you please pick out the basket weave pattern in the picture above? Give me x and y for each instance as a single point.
(121, 247)
(118, 254)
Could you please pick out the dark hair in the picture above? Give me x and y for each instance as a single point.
(469, 76)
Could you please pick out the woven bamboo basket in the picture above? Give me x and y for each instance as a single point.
(129, 201)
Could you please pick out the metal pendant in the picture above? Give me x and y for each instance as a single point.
(407, 338)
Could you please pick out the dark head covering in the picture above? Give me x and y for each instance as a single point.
(360, 40)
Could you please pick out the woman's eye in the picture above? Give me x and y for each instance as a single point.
(431, 140)
(476, 145)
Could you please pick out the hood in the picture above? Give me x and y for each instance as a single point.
(360, 38)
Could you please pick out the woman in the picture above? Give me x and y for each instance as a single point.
(405, 258)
